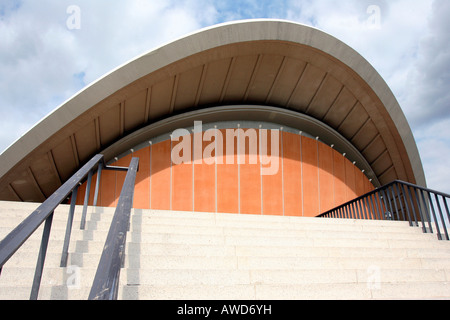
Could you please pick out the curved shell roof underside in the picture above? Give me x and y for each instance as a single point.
(262, 62)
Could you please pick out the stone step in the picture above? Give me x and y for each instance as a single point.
(241, 263)
(98, 212)
(95, 235)
(175, 284)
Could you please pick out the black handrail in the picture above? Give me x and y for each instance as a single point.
(106, 281)
(45, 212)
(14, 240)
(403, 201)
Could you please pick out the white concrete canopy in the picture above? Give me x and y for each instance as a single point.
(255, 62)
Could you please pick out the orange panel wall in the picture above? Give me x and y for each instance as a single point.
(141, 198)
(205, 184)
(160, 184)
(292, 175)
(182, 183)
(250, 181)
(272, 185)
(120, 176)
(311, 195)
(340, 188)
(107, 188)
(311, 179)
(326, 181)
(350, 181)
(227, 183)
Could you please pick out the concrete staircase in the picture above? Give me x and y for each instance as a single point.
(185, 255)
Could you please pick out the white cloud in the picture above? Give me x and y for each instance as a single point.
(43, 62)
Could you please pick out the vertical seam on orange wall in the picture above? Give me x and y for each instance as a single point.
(318, 175)
(193, 167)
(215, 166)
(301, 171)
(260, 171)
(239, 167)
(150, 182)
(282, 170)
(334, 178)
(171, 176)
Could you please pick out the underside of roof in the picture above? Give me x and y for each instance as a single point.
(271, 63)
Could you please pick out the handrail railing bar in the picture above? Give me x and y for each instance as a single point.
(413, 208)
(434, 216)
(354, 212)
(444, 200)
(375, 191)
(41, 258)
(422, 219)
(399, 197)
(401, 202)
(395, 212)
(97, 183)
(374, 196)
(14, 240)
(394, 199)
(115, 168)
(426, 210)
(388, 202)
(411, 222)
(446, 220)
(383, 201)
(65, 250)
(372, 212)
(360, 209)
(443, 218)
(106, 281)
(392, 204)
(362, 205)
(421, 188)
(355, 209)
(86, 200)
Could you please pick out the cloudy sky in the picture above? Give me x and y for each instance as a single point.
(51, 49)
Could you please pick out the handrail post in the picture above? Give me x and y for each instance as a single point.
(41, 258)
(65, 251)
(86, 200)
(97, 184)
(15, 239)
(106, 281)
(401, 201)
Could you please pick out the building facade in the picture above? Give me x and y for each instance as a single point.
(252, 117)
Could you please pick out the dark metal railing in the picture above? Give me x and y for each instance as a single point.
(106, 281)
(401, 201)
(44, 213)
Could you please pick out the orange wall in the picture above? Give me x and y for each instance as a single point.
(312, 178)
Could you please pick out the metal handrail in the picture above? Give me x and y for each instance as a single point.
(403, 201)
(16, 238)
(44, 213)
(106, 281)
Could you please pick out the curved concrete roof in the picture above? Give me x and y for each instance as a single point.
(254, 62)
